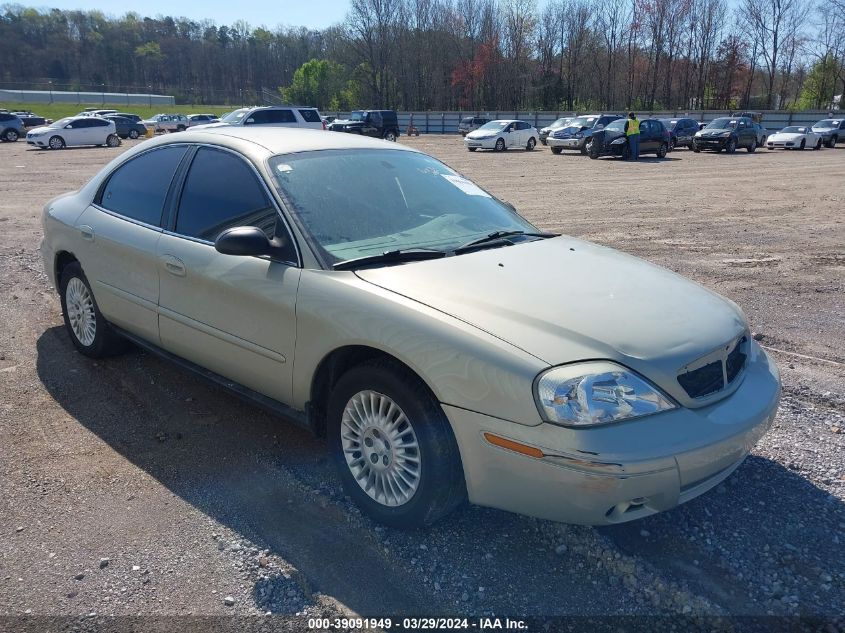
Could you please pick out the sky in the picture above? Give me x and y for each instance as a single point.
(269, 13)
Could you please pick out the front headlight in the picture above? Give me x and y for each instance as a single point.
(725, 134)
(596, 392)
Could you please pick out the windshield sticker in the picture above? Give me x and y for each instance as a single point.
(467, 186)
(284, 168)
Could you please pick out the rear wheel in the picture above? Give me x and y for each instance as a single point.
(113, 140)
(803, 144)
(180, 128)
(753, 147)
(500, 145)
(390, 136)
(818, 144)
(662, 150)
(89, 331)
(133, 134)
(11, 135)
(695, 148)
(556, 150)
(393, 446)
(56, 142)
(832, 143)
(532, 143)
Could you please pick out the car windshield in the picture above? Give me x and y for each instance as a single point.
(356, 203)
(617, 126)
(582, 121)
(357, 115)
(826, 124)
(494, 126)
(62, 122)
(467, 120)
(723, 123)
(794, 129)
(235, 116)
(669, 123)
(560, 122)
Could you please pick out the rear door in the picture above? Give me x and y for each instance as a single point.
(230, 314)
(120, 230)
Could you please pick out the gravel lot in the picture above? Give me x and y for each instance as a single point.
(132, 488)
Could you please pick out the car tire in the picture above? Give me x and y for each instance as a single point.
(803, 144)
(671, 145)
(556, 150)
(390, 136)
(393, 446)
(662, 150)
(471, 149)
(89, 331)
(543, 141)
(11, 136)
(818, 145)
(532, 143)
(56, 142)
(500, 145)
(113, 140)
(695, 148)
(730, 146)
(180, 128)
(753, 147)
(585, 148)
(133, 134)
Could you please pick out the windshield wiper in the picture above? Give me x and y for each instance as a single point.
(497, 236)
(390, 257)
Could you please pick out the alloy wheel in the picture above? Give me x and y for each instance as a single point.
(80, 311)
(381, 448)
(133, 134)
(56, 143)
(12, 135)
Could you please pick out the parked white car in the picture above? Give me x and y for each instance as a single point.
(74, 131)
(274, 116)
(374, 295)
(501, 135)
(795, 137)
(167, 123)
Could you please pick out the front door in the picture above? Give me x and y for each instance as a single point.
(234, 315)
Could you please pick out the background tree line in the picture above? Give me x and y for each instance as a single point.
(455, 54)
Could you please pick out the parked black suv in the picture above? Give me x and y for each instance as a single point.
(727, 133)
(681, 132)
(376, 123)
(611, 141)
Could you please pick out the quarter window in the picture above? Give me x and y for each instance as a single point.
(221, 191)
(138, 188)
(310, 116)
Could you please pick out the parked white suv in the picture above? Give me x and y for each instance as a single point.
(276, 116)
(167, 123)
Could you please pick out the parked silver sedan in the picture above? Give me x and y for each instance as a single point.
(447, 348)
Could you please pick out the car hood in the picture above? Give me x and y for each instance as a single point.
(563, 300)
(40, 129)
(481, 133)
(785, 136)
(715, 131)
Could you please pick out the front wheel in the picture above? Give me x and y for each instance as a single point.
(472, 149)
(390, 136)
(531, 144)
(557, 150)
(803, 144)
(88, 329)
(832, 142)
(730, 147)
(662, 150)
(753, 147)
(671, 145)
(500, 145)
(56, 142)
(393, 447)
(11, 136)
(695, 148)
(113, 140)
(818, 145)
(180, 128)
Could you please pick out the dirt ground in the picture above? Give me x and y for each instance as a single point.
(129, 487)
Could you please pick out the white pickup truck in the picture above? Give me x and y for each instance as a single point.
(167, 123)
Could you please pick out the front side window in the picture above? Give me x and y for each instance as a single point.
(222, 191)
(408, 200)
(138, 188)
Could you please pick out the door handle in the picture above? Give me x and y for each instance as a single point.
(87, 232)
(174, 265)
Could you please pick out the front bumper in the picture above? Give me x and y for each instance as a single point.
(619, 472)
(484, 143)
(566, 143)
(37, 141)
(711, 143)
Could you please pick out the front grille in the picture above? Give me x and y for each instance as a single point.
(703, 381)
(715, 376)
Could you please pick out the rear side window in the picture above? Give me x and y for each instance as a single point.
(138, 188)
(99, 123)
(6, 117)
(311, 116)
(222, 191)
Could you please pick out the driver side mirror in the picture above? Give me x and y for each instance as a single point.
(248, 241)
(69, 126)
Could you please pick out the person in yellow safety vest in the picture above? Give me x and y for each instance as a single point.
(632, 132)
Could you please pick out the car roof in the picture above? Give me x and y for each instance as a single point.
(257, 141)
